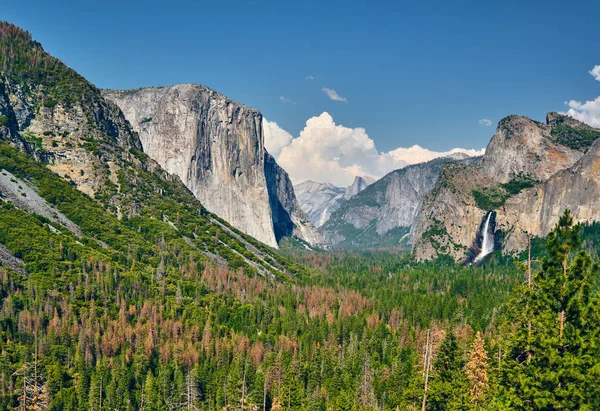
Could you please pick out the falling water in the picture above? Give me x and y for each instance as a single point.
(487, 244)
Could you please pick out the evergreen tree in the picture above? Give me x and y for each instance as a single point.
(447, 389)
(554, 365)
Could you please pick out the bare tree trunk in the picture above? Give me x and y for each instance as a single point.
(265, 390)
(24, 402)
(530, 286)
(427, 363)
(562, 312)
(244, 385)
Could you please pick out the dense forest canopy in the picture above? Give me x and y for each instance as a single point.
(360, 331)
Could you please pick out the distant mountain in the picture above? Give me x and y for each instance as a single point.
(383, 214)
(529, 174)
(320, 200)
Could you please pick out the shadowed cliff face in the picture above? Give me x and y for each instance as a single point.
(530, 173)
(384, 213)
(215, 145)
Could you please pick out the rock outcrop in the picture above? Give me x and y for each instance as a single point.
(450, 218)
(216, 146)
(522, 147)
(529, 174)
(535, 211)
(384, 213)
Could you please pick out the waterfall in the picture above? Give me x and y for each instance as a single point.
(487, 243)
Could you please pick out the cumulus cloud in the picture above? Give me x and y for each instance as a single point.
(595, 72)
(309, 78)
(485, 122)
(285, 100)
(327, 152)
(588, 112)
(276, 138)
(333, 95)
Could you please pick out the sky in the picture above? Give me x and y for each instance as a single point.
(376, 77)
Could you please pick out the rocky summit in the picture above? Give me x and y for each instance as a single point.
(216, 146)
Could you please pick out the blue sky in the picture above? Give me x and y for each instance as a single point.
(412, 72)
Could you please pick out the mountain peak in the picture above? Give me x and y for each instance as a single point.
(358, 185)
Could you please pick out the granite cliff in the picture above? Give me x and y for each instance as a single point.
(383, 214)
(216, 146)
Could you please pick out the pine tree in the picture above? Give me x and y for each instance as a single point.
(476, 371)
(554, 363)
(448, 384)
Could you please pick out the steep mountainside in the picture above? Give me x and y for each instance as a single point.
(70, 159)
(537, 210)
(216, 146)
(320, 200)
(529, 174)
(384, 213)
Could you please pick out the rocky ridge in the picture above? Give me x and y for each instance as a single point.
(384, 213)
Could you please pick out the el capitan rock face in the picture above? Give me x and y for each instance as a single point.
(215, 145)
(529, 174)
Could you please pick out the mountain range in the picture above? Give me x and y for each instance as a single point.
(381, 213)
(530, 173)
(190, 146)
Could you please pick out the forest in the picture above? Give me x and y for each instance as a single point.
(81, 329)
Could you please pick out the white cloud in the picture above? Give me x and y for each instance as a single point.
(309, 78)
(327, 152)
(417, 154)
(595, 72)
(276, 138)
(285, 100)
(588, 112)
(333, 95)
(485, 122)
